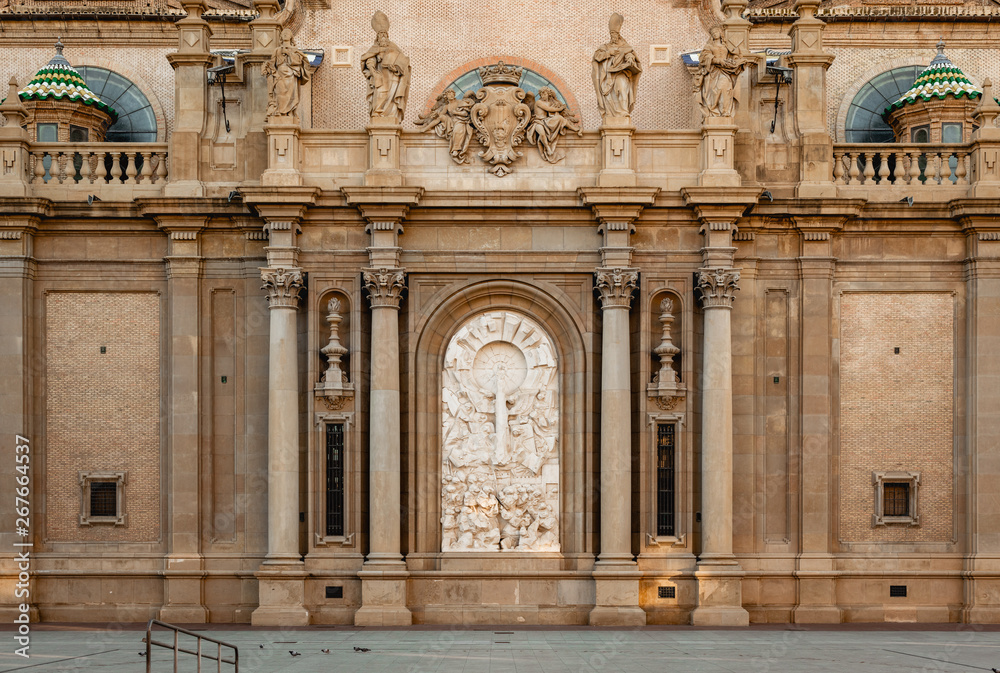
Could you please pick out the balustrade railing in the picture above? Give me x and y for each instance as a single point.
(98, 163)
(916, 165)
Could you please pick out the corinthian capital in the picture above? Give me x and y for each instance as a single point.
(616, 286)
(384, 286)
(282, 286)
(718, 286)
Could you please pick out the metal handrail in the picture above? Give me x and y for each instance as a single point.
(235, 660)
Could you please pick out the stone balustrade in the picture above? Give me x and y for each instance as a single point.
(898, 164)
(97, 166)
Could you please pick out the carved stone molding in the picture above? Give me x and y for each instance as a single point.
(718, 287)
(616, 286)
(282, 285)
(384, 286)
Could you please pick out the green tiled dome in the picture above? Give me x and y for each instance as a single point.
(58, 79)
(939, 80)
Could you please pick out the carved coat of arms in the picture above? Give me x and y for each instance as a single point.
(501, 116)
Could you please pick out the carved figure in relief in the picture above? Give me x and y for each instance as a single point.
(388, 71)
(718, 69)
(449, 118)
(286, 70)
(550, 119)
(615, 71)
(499, 437)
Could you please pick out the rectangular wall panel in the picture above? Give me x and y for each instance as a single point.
(776, 403)
(223, 403)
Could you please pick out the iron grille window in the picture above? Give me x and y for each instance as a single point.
(103, 498)
(895, 499)
(665, 456)
(335, 479)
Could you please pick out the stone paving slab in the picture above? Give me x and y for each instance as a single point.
(784, 648)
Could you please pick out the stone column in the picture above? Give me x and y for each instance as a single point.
(384, 575)
(183, 569)
(719, 574)
(616, 574)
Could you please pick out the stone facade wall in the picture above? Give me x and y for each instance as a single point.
(102, 410)
(896, 410)
(441, 36)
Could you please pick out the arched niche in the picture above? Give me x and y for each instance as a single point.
(434, 330)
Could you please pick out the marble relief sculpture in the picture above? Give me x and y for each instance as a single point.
(616, 70)
(285, 70)
(501, 116)
(718, 68)
(500, 428)
(388, 71)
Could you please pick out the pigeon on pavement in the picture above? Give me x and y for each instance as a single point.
(294, 653)
(325, 651)
(361, 649)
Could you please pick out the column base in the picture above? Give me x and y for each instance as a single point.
(282, 596)
(616, 601)
(383, 595)
(982, 615)
(817, 596)
(182, 599)
(720, 595)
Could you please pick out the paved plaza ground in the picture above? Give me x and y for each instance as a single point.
(758, 649)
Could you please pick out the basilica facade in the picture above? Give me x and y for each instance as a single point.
(343, 312)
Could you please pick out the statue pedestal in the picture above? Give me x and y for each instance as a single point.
(284, 153)
(718, 145)
(616, 141)
(383, 153)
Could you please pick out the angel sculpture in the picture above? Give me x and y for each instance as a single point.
(550, 119)
(449, 118)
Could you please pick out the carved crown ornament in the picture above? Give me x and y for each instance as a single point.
(282, 285)
(385, 286)
(717, 287)
(500, 116)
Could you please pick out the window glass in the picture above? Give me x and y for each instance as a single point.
(921, 134)
(136, 120)
(896, 499)
(951, 132)
(864, 118)
(48, 133)
(103, 498)
(78, 134)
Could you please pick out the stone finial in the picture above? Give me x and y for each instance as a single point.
(59, 46)
(666, 389)
(334, 385)
(988, 109)
(12, 109)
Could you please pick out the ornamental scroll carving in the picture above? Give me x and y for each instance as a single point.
(282, 286)
(500, 437)
(718, 287)
(501, 116)
(616, 286)
(385, 286)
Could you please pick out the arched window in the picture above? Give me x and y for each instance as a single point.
(136, 119)
(531, 82)
(864, 118)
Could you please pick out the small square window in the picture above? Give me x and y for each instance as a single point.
(102, 498)
(48, 133)
(896, 498)
(920, 134)
(951, 132)
(78, 134)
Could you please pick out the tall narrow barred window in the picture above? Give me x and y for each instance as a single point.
(665, 461)
(335, 479)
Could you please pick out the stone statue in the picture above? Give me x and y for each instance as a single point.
(616, 71)
(285, 70)
(550, 119)
(718, 68)
(388, 71)
(499, 457)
